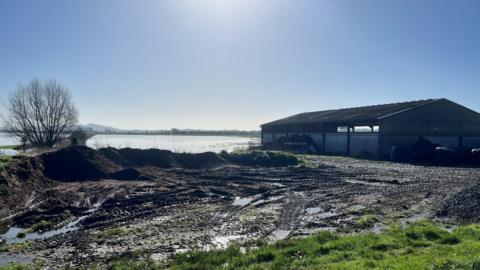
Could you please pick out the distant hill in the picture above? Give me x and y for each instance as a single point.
(101, 129)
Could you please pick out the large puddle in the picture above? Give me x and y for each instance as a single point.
(318, 212)
(8, 152)
(10, 236)
(242, 201)
(279, 235)
(7, 258)
(224, 241)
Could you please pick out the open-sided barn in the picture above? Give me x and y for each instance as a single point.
(374, 130)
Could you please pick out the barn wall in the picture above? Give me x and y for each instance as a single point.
(471, 142)
(364, 144)
(279, 135)
(267, 137)
(317, 139)
(389, 141)
(290, 134)
(336, 143)
(451, 142)
(441, 118)
(407, 141)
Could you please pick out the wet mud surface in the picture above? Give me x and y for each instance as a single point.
(172, 210)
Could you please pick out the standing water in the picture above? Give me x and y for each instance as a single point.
(7, 139)
(175, 143)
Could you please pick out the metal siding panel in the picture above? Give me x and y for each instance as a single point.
(443, 118)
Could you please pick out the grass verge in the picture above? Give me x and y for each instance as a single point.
(423, 245)
(261, 158)
(8, 147)
(4, 160)
(14, 267)
(112, 232)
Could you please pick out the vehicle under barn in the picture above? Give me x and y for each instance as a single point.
(374, 130)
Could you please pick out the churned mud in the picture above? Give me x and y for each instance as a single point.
(162, 210)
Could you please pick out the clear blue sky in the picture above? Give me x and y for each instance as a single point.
(215, 64)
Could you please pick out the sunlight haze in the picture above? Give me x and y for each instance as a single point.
(235, 64)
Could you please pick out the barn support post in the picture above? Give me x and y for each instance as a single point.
(380, 141)
(262, 140)
(323, 141)
(348, 140)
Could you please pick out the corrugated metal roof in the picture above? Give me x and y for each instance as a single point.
(351, 115)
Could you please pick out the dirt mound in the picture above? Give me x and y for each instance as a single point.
(21, 179)
(261, 158)
(113, 155)
(77, 163)
(80, 163)
(128, 157)
(463, 205)
(125, 174)
(148, 157)
(205, 160)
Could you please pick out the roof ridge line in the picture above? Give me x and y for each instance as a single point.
(413, 108)
(388, 108)
(367, 106)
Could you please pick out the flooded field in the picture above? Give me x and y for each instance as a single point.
(6, 139)
(175, 143)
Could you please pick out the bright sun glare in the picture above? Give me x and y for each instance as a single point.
(225, 9)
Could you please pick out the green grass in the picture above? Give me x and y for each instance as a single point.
(4, 160)
(18, 247)
(40, 226)
(131, 265)
(423, 245)
(261, 158)
(366, 222)
(4, 227)
(113, 232)
(8, 147)
(14, 267)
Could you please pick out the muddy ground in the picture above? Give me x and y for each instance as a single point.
(171, 210)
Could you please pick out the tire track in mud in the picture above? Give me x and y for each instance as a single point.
(291, 211)
(20, 212)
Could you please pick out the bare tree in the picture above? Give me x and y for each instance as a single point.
(39, 112)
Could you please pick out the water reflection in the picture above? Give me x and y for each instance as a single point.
(176, 143)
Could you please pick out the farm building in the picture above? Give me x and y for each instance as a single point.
(374, 130)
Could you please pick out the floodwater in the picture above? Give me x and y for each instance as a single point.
(242, 201)
(175, 143)
(10, 236)
(6, 139)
